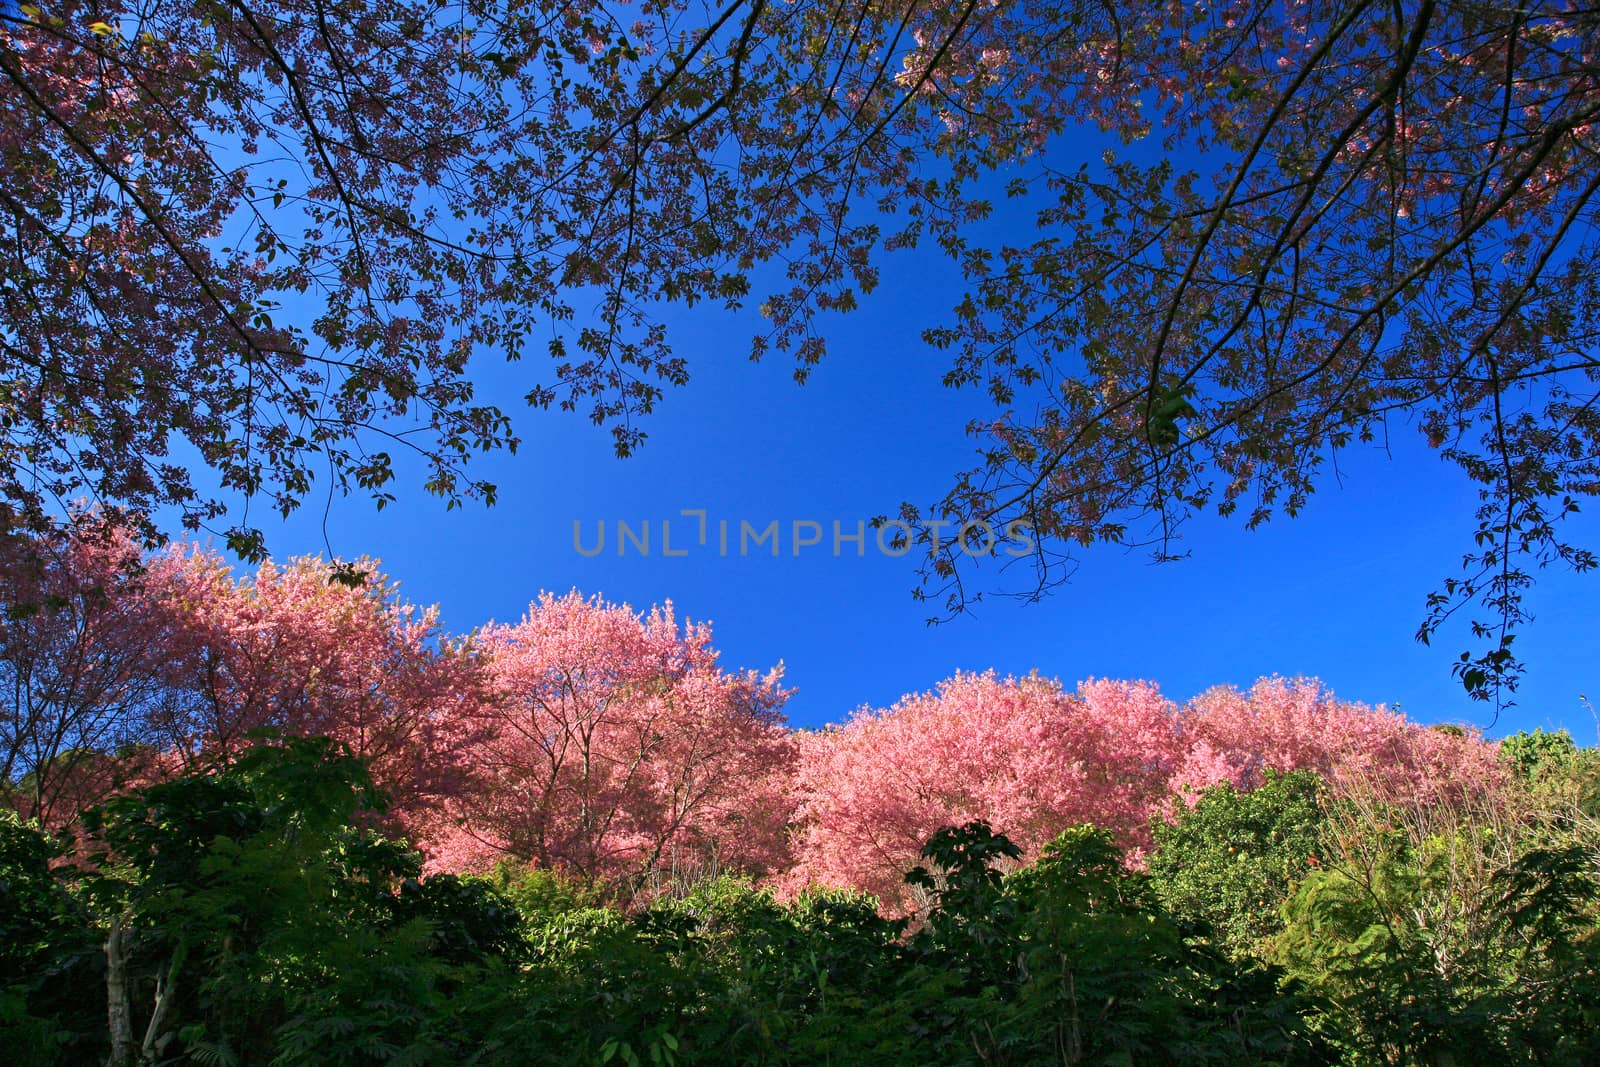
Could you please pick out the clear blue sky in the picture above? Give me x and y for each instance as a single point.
(1336, 593)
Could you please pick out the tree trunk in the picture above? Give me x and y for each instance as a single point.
(118, 1017)
(166, 990)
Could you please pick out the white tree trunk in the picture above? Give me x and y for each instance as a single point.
(118, 1016)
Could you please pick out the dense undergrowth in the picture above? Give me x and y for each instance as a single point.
(253, 913)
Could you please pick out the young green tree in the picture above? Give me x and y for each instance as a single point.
(1227, 863)
(249, 917)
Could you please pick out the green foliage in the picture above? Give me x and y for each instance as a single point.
(974, 921)
(469, 920)
(259, 919)
(246, 914)
(539, 894)
(726, 974)
(1071, 960)
(1104, 973)
(1553, 764)
(1227, 863)
(1066, 961)
(48, 955)
(1472, 941)
(1533, 754)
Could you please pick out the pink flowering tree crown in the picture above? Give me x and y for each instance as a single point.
(125, 666)
(313, 647)
(619, 749)
(1019, 753)
(84, 665)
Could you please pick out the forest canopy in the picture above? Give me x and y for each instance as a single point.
(253, 249)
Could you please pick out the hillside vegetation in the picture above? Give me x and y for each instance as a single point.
(286, 818)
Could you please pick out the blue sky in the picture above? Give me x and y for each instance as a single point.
(1336, 593)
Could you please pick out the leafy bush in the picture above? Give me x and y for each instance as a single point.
(1228, 862)
(49, 955)
(1553, 765)
(1072, 960)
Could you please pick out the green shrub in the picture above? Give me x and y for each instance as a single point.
(1227, 863)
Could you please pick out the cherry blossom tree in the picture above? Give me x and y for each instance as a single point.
(1018, 753)
(121, 666)
(83, 667)
(1232, 736)
(619, 747)
(313, 648)
(1031, 759)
